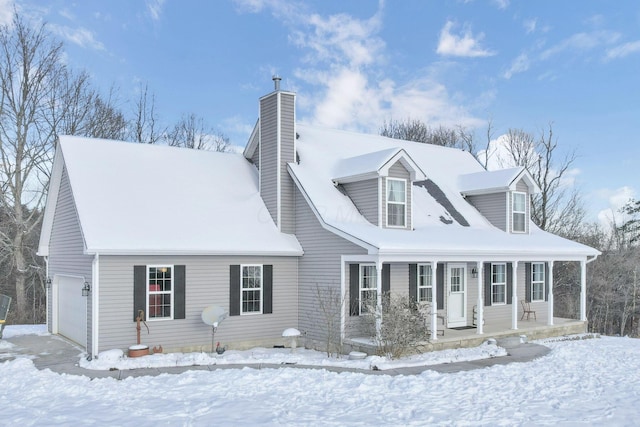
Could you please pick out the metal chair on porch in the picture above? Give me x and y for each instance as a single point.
(5, 302)
(526, 310)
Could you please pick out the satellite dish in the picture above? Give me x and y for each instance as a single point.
(213, 315)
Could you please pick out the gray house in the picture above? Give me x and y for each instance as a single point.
(304, 210)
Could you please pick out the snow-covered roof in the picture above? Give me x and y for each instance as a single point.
(485, 182)
(137, 198)
(377, 163)
(322, 153)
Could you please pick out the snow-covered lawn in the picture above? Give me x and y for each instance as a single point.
(581, 382)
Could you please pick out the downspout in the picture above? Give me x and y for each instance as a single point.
(95, 301)
(47, 290)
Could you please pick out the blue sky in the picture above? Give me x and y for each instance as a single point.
(521, 64)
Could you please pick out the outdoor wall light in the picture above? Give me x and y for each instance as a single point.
(48, 282)
(86, 289)
(474, 272)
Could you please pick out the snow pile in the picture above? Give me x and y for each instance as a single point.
(116, 359)
(18, 330)
(581, 382)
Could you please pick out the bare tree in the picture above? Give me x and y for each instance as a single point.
(40, 98)
(145, 125)
(191, 131)
(417, 131)
(558, 208)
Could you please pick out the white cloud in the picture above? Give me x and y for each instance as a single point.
(581, 42)
(6, 12)
(530, 25)
(519, 65)
(464, 45)
(623, 50)
(155, 8)
(80, 36)
(501, 4)
(344, 67)
(616, 199)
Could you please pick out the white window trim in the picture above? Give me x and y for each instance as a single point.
(261, 289)
(173, 300)
(428, 286)
(541, 282)
(404, 181)
(494, 284)
(361, 289)
(514, 212)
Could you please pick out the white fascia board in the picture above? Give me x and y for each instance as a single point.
(188, 252)
(476, 256)
(409, 164)
(356, 178)
(252, 144)
(528, 179)
(368, 246)
(482, 191)
(52, 199)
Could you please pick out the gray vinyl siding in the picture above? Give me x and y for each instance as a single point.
(207, 283)
(493, 207)
(268, 153)
(397, 170)
(319, 269)
(364, 195)
(503, 313)
(287, 147)
(66, 246)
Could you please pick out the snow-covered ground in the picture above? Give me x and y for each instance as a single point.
(581, 382)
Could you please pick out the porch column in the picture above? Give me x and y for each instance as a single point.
(378, 299)
(550, 302)
(434, 301)
(514, 292)
(480, 302)
(583, 290)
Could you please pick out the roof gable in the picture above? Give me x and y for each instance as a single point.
(487, 182)
(136, 198)
(374, 165)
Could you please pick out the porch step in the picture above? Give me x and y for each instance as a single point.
(509, 342)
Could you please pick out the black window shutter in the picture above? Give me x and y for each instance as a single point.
(413, 282)
(354, 289)
(234, 290)
(527, 281)
(386, 278)
(509, 282)
(179, 279)
(267, 288)
(546, 281)
(487, 284)
(139, 289)
(440, 286)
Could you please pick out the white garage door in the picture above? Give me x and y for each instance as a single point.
(72, 309)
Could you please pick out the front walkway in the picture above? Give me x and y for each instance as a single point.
(61, 356)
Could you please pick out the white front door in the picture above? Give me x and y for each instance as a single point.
(457, 295)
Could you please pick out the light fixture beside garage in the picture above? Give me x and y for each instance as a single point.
(86, 289)
(48, 282)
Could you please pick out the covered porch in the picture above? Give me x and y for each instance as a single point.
(470, 300)
(455, 338)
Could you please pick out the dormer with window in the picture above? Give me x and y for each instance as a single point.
(503, 197)
(379, 184)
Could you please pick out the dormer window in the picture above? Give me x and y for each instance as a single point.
(396, 202)
(519, 204)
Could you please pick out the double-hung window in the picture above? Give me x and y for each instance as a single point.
(251, 289)
(368, 288)
(425, 283)
(160, 292)
(537, 281)
(519, 207)
(396, 202)
(498, 284)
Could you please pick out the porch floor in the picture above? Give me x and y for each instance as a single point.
(454, 338)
